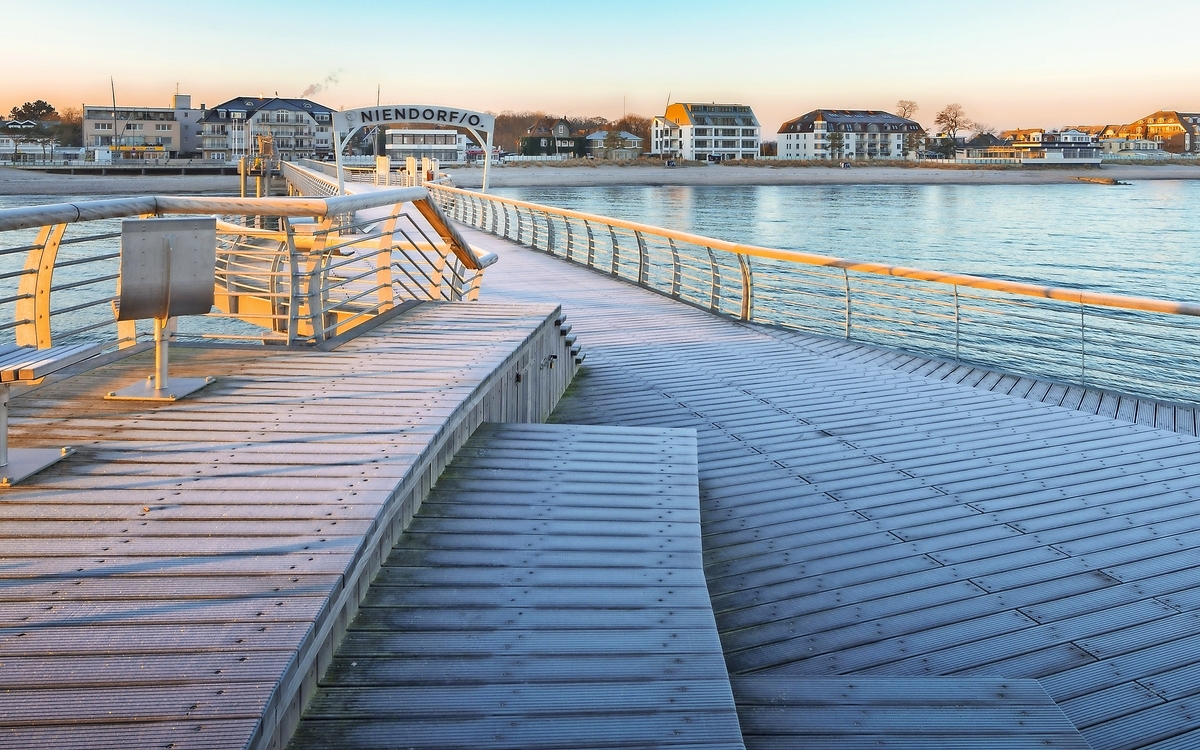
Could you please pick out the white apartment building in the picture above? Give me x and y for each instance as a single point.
(703, 132)
(846, 134)
(299, 129)
(143, 132)
(447, 146)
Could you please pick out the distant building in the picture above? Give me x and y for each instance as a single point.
(846, 134)
(298, 128)
(704, 132)
(143, 132)
(1134, 148)
(552, 136)
(622, 146)
(1040, 146)
(447, 146)
(1176, 132)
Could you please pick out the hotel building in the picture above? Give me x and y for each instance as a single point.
(703, 132)
(846, 134)
(1177, 132)
(299, 128)
(142, 132)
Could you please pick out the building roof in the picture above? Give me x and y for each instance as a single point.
(252, 105)
(683, 113)
(600, 135)
(546, 126)
(851, 120)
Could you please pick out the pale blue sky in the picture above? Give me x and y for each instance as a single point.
(1048, 63)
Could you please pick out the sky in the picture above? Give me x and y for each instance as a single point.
(1043, 64)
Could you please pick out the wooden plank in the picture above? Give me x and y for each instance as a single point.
(630, 607)
(172, 582)
(1059, 496)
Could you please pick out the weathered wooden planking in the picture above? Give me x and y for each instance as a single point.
(535, 648)
(174, 581)
(860, 518)
(966, 713)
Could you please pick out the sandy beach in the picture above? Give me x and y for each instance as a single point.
(536, 175)
(24, 182)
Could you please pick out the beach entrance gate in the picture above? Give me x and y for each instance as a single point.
(480, 125)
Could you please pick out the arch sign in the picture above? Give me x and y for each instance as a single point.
(350, 121)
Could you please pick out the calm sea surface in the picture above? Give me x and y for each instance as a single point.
(1142, 240)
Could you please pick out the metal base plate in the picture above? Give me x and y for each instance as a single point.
(22, 462)
(176, 389)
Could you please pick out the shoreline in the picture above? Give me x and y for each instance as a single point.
(534, 175)
(24, 182)
(27, 182)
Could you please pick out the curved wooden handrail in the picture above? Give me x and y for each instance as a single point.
(1080, 296)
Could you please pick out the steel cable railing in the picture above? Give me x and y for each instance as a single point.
(289, 270)
(1135, 345)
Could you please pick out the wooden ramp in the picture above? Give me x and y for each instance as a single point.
(548, 594)
(181, 579)
(900, 713)
(862, 520)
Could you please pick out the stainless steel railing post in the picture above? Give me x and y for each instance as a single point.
(957, 323)
(846, 276)
(747, 287)
(714, 294)
(614, 267)
(676, 271)
(643, 260)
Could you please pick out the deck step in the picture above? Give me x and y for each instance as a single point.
(549, 593)
(921, 713)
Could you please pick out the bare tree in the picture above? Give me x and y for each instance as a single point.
(906, 108)
(952, 119)
(980, 128)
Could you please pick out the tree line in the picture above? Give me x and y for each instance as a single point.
(49, 125)
(511, 126)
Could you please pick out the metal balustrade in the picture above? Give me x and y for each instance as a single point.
(1139, 346)
(289, 270)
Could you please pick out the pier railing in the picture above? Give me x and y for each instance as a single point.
(1140, 346)
(289, 270)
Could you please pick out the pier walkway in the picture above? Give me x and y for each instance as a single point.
(859, 520)
(549, 594)
(180, 581)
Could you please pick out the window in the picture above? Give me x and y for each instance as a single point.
(748, 132)
(703, 132)
(162, 126)
(702, 144)
(103, 126)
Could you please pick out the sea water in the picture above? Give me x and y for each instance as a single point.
(1142, 239)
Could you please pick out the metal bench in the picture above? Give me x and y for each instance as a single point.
(22, 364)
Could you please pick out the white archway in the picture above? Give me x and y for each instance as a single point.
(350, 121)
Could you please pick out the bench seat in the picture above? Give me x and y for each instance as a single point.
(24, 364)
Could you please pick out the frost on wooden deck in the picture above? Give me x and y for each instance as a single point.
(861, 519)
(180, 579)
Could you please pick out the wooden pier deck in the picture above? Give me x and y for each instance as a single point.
(549, 594)
(180, 581)
(862, 520)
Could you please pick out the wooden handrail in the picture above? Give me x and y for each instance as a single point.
(1080, 296)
